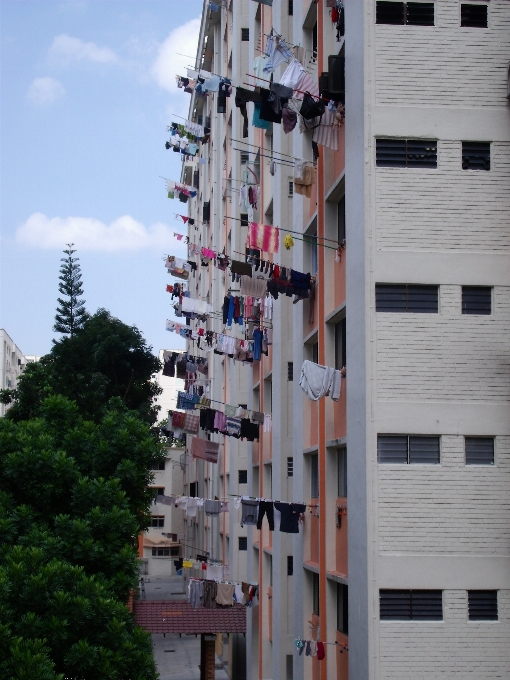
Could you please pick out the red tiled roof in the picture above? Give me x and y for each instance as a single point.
(161, 616)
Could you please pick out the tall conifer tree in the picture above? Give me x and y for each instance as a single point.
(71, 313)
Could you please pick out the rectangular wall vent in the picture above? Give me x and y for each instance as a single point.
(411, 605)
(476, 300)
(406, 153)
(476, 155)
(406, 298)
(408, 449)
(474, 16)
(479, 450)
(483, 605)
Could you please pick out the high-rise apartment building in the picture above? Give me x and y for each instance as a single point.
(12, 363)
(402, 562)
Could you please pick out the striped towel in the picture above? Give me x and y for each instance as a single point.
(263, 237)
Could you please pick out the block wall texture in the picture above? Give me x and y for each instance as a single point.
(447, 356)
(450, 649)
(446, 208)
(445, 64)
(446, 509)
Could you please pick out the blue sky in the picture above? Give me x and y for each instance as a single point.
(87, 88)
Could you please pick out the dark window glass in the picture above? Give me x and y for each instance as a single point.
(342, 608)
(291, 8)
(341, 219)
(479, 450)
(476, 155)
(243, 543)
(245, 157)
(474, 16)
(206, 211)
(407, 605)
(340, 344)
(476, 300)
(245, 34)
(315, 352)
(157, 521)
(420, 13)
(243, 476)
(483, 605)
(290, 565)
(406, 298)
(389, 12)
(193, 489)
(290, 371)
(244, 222)
(336, 75)
(406, 153)
(158, 466)
(315, 594)
(314, 487)
(403, 449)
(290, 466)
(158, 490)
(342, 473)
(291, 188)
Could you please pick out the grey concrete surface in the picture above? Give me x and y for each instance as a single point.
(165, 588)
(177, 658)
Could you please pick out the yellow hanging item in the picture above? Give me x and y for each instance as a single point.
(288, 241)
(187, 564)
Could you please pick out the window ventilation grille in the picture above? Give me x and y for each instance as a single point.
(483, 605)
(476, 300)
(407, 605)
(473, 16)
(479, 450)
(406, 298)
(406, 153)
(476, 156)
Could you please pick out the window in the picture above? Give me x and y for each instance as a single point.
(342, 608)
(406, 298)
(291, 188)
(290, 7)
(290, 565)
(314, 477)
(483, 605)
(158, 490)
(406, 153)
(341, 219)
(244, 222)
(193, 489)
(408, 449)
(476, 300)
(165, 552)
(315, 594)
(411, 605)
(245, 34)
(311, 239)
(245, 157)
(340, 343)
(476, 155)
(290, 371)
(473, 16)
(157, 521)
(290, 467)
(243, 543)
(479, 450)
(400, 13)
(243, 476)
(315, 352)
(158, 466)
(342, 473)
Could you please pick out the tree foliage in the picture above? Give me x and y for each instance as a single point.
(71, 312)
(73, 500)
(105, 358)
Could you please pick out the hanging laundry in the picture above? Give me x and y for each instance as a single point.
(225, 594)
(290, 515)
(318, 381)
(304, 178)
(277, 52)
(250, 509)
(263, 237)
(204, 449)
(288, 242)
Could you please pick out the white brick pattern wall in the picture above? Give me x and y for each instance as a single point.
(448, 208)
(444, 64)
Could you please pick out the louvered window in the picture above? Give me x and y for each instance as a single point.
(206, 211)
(406, 298)
(406, 153)
(314, 477)
(243, 543)
(473, 16)
(479, 450)
(483, 605)
(290, 371)
(407, 449)
(290, 466)
(411, 605)
(341, 344)
(290, 565)
(336, 75)
(476, 300)
(245, 34)
(243, 476)
(400, 13)
(245, 157)
(476, 155)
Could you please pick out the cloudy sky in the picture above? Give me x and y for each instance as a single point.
(87, 89)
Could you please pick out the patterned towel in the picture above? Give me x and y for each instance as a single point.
(263, 237)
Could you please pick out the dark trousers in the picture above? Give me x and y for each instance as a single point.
(266, 508)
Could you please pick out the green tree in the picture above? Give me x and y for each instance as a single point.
(105, 358)
(73, 500)
(71, 313)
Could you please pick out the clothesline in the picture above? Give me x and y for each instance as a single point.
(280, 161)
(280, 153)
(290, 231)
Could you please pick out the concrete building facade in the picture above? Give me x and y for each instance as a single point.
(12, 363)
(403, 557)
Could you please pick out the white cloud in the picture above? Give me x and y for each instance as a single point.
(67, 49)
(87, 233)
(44, 91)
(169, 62)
